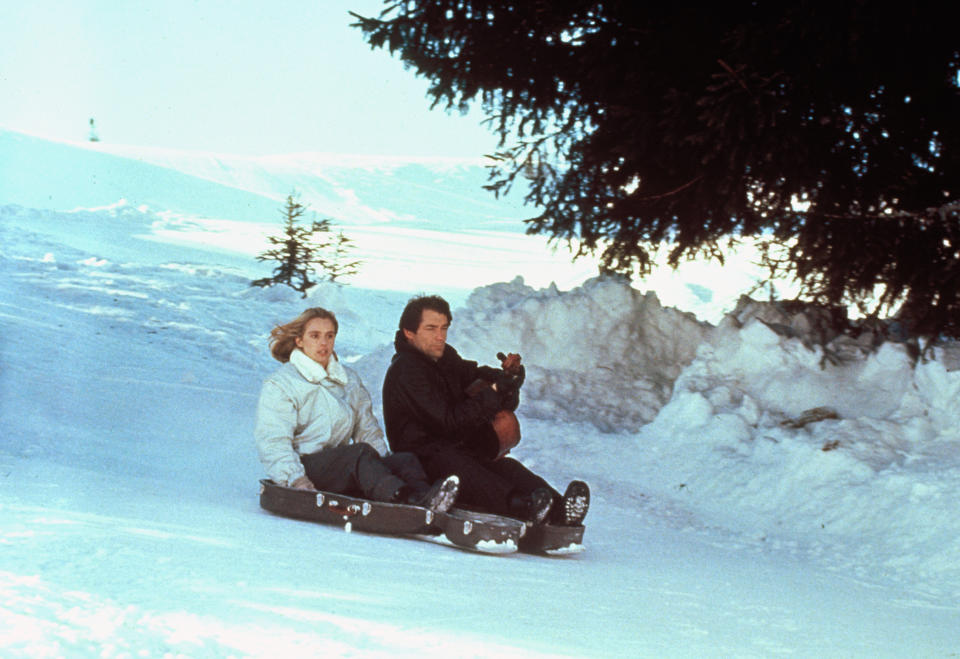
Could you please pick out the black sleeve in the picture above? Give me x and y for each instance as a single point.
(416, 390)
(488, 373)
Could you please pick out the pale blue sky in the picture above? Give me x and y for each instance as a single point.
(235, 76)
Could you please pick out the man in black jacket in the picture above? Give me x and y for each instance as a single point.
(441, 407)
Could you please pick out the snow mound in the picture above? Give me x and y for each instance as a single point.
(784, 422)
(587, 351)
(764, 423)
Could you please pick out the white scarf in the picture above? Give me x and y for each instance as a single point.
(314, 371)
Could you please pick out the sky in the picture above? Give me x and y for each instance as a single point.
(242, 76)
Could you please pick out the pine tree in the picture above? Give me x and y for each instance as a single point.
(826, 128)
(299, 252)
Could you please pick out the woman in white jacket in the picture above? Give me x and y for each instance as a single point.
(315, 428)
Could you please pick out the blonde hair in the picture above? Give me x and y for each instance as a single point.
(283, 338)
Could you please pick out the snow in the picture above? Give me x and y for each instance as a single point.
(727, 518)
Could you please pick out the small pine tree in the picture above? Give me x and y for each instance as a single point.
(338, 266)
(296, 251)
(299, 254)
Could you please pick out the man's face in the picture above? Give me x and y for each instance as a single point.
(431, 337)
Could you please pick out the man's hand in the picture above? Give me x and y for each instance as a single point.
(506, 383)
(509, 362)
(512, 367)
(303, 483)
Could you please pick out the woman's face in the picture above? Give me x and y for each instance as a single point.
(317, 340)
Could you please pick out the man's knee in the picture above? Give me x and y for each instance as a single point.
(402, 460)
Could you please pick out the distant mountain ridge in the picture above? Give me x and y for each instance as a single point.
(430, 193)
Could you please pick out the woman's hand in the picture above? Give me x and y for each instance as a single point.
(303, 483)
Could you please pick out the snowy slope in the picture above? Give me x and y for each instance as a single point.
(132, 351)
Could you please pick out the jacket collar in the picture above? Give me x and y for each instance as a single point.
(315, 372)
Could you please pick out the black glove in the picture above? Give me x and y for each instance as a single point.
(508, 383)
(520, 375)
(512, 366)
(510, 401)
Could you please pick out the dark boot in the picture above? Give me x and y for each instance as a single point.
(441, 497)
(574, 505)
(533, 507)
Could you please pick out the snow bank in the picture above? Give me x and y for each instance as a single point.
(765, 434)
(603, 351)
(774, 424)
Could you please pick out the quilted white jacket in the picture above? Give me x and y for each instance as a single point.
(304, 408)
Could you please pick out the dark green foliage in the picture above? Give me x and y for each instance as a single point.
(829, 130)
(299, 253)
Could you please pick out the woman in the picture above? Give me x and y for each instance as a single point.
(315, 428)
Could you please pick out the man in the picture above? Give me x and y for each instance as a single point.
(434, 406)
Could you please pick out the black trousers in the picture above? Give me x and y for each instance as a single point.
(358, 470)
(489, 485)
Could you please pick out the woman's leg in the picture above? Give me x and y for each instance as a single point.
(353, 469)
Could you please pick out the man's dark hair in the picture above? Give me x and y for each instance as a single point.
(413, 312)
